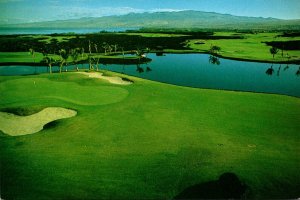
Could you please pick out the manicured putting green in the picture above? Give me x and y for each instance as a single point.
(23, 90)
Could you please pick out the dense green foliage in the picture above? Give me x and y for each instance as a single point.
(146, 141)
(125, 41)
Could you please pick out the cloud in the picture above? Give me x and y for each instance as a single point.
(77, 12)
(166, 10)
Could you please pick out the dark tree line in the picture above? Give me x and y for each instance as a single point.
(17, 43)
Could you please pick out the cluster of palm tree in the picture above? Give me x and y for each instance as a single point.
(78, 54)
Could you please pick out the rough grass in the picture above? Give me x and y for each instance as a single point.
(154, 141)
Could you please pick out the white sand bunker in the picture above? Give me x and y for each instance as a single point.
(15, 125)
(114, 80)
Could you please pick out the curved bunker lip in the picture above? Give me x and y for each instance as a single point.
(15, 125)
(111, 79)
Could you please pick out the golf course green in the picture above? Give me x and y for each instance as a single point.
(146, 140)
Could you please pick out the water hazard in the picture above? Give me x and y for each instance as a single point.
(201, 71)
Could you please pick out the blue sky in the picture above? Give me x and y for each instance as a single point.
(19, 11)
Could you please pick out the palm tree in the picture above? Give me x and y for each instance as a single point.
(273, 51)
(75, 54)
(115, 47)
(82, 55)
(32, 53)
(97, 57)
(64, 56)
(105, 46)
(123, 52)
(214, 49)
(48, 60)
(90, 56)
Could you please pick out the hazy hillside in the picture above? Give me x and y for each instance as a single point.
(182, 19)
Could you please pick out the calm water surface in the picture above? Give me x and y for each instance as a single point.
(195, 70)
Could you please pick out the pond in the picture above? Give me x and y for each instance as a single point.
(201, 71)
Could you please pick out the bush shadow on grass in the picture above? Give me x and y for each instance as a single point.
(51, 125)
(22, 111)
(227, 187)
(128, 80)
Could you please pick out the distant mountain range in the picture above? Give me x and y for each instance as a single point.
(182, 19)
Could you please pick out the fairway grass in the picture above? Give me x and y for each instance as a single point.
(15, 125)
(147, 140)
(251, 48)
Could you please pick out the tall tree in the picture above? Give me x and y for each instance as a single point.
(64, 57)
(32, 53)
(90, 56)
(75, 54)
(214, 49)
(115, 48)
(97, 58)
(273, 51)
(49, 61)
(82, 55)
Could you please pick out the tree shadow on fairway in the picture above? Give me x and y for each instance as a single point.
(227, 187)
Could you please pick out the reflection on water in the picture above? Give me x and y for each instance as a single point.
(148, 69)
(214, 60)
(139, 69)
(270, 71)
(278, 71)
(298, 72)
(194, 70)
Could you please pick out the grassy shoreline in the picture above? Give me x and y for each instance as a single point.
(136, 60)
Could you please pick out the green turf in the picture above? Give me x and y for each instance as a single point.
(20, 57)
(47, 39)
(250, 48)
(147, 140)
(27, 58)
